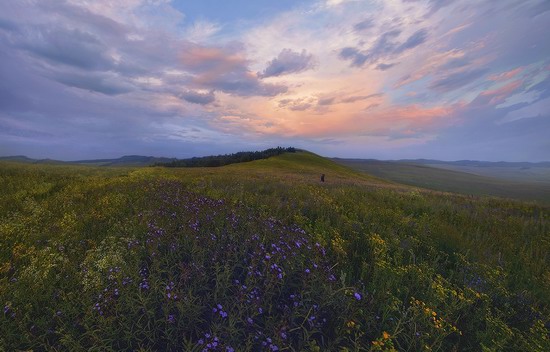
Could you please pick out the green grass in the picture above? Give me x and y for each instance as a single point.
(453, 179)
(139, 259)
(522, 174)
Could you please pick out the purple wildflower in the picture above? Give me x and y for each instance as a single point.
(357, 296)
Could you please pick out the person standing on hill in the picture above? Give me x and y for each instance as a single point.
(322, 177)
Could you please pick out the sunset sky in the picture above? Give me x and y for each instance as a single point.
(440, 79)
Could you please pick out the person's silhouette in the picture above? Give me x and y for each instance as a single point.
(322, 177)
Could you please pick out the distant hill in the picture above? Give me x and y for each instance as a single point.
(19, 158)
(526, 181)
(472, 163)
(127, 160)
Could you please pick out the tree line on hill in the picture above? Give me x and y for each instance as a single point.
(226, 159)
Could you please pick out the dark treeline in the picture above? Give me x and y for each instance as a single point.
(221, 160)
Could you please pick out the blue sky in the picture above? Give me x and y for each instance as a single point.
(443, 79)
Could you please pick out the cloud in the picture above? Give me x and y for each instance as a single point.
(300, 104)
(288, 62)
(413, 41)
(354, 98)
(225, 69)
(198, 97)
(363, 25)
(343, 98)
(241, 83)
(504, 76)
(326, 101)
(385, 47)
(456, 63)
(355, 55)
(434, 5)
(8, 25)
(70, 47)
(108, 84)
(540, 8)
(323, 101)
(458, 80)
(201, 30)
(493, 97)
(201, 58)
(384, 67)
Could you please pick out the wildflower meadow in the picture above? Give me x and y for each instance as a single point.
(262, 256)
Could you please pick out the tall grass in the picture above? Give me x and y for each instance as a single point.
(263, 256)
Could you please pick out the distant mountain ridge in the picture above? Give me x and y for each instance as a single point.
(141, 160)
(472, 163)
(127, 160)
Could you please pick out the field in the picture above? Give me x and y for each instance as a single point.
(531, 184)
(262, 256)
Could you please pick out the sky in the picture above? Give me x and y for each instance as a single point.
(392, 79)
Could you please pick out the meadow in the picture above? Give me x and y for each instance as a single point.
(262, 256)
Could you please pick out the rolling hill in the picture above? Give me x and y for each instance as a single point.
(482, 179)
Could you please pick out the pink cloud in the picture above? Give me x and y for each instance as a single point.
(200, 58)
(431, 66)
(504, 76)
(497, 96)
(392, 121)
(225, 69)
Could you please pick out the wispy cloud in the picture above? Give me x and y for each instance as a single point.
(385, 47)
(288, 62)
(458, 79)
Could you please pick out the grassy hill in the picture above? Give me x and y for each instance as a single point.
(262, 256)
(452, 178)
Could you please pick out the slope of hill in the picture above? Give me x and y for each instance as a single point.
(450, 179)
(264, 256)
